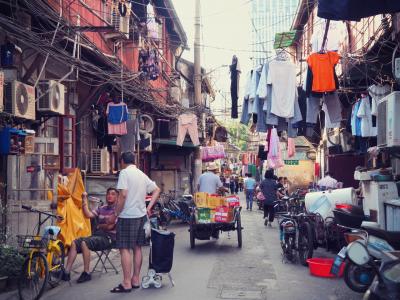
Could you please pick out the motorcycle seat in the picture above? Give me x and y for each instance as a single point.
(392, 237)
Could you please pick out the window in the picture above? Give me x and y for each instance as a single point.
(67, 143)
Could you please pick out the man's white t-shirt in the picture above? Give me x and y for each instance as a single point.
(138, 186)
(282, 76)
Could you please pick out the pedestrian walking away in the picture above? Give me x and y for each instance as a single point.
(269, 188)
(232, 185)
(249, 188)
(131, 211)
(236, 184)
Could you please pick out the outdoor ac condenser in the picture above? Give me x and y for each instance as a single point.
(100, 161)
(19, 100)
(51, 96)
(388, 127)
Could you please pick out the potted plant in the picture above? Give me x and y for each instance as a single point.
(10, 264)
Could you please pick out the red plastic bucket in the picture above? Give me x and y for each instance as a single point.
(321, 267)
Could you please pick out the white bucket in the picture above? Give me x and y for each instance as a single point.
(324, 202)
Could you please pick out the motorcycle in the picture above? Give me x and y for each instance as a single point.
(359, 277)
(386, 284)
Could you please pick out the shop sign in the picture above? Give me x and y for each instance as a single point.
(292, 162)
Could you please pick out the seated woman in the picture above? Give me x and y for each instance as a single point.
(102, 238)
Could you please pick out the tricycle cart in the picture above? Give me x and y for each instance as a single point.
(204, 231)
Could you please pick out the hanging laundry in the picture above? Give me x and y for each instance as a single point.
(377, 92)
(253, 97)
(128, 142)
(187, 123)
(117, 115)
(264, 92)
(355, 120)
(149, 64)
(334, 107)
(328, 122)
(274, 154)
(282, 77)
(354, 10)
(291, 148)
(336, 34)
(152, 24)
(235, 78)
(323, 73)
(365, 114)
(245, 118)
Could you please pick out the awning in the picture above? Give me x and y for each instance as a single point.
(172, 142)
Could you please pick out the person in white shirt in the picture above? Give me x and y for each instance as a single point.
(131, 211)
(209, 182)
(327, 182)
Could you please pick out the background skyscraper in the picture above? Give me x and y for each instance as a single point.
(269, 17)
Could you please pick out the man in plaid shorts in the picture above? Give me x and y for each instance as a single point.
(131, 211)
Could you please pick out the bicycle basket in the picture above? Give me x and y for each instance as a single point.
(31, 241)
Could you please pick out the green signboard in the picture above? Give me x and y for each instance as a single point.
(291, 162)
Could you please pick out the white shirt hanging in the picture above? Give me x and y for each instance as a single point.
(282, 76)
(364, 112)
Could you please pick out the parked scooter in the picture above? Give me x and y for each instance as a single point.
(359, 277)
(386, 285)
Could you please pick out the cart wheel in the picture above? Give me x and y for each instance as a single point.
(192, 237)
(191, 231)
(239, 230)
(145, 282)
(157, 284)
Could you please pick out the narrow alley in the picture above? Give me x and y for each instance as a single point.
(218, 269)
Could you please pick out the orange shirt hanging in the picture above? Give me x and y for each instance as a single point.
(323, 67)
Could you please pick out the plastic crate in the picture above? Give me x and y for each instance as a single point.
(223, 214)
(232, 201)
(214, 201)
(203, 215)
(200, 199)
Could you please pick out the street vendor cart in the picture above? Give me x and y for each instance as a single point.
(206, 222)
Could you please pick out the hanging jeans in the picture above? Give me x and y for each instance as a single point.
(245, 118)
(249, 199)
(313, 108)
(187, 123)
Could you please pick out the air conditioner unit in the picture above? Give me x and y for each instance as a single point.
(20, 100)
(119, 22)
(100, 161)
(388, 127)
(51, 96)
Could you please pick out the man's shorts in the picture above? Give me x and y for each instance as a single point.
(130, 233)
(94, 243)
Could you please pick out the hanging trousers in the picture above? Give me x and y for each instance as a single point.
(187, 123)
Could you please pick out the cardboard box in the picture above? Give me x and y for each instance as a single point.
(200, 199)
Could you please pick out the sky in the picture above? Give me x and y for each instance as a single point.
(226, 31)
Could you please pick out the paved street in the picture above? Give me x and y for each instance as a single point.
(220, 270)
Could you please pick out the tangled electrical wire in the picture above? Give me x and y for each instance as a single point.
(109, 74)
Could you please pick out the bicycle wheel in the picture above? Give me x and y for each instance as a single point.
(33, 278)
(56, 268)
(305, 243)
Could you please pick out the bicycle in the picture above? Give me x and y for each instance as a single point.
(45, 261)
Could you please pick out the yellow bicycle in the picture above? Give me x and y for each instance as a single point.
(45, 261)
